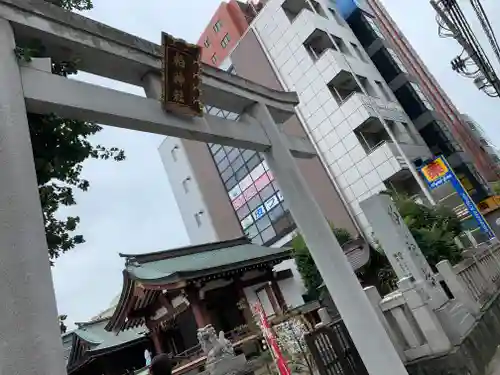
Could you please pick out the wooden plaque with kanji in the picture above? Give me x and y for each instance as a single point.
(181, 76)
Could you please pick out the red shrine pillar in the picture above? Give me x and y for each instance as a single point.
(198, 307)
(156, 341)
(154, 333)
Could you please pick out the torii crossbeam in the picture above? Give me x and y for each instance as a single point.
(29, 336)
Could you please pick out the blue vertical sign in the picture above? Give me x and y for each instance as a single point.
(437, 173)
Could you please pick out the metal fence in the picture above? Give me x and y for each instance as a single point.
(333, 351)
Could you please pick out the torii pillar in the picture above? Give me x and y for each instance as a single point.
(369, 336)
(30, 341)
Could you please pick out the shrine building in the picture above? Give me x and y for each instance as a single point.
(90, 349)
(175, 292)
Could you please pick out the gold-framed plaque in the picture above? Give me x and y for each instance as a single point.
(181, 76)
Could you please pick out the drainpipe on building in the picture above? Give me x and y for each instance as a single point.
(410, 165)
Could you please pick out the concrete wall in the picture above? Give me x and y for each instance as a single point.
(198, 191)
(473, 355)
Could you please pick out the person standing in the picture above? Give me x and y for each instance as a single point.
(161, 364)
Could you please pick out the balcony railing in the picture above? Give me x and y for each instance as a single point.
(375, 106)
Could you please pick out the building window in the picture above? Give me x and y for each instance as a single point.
(293, 8)
(372, 134)
(185, 184)
(341, 45)
(173, 152)
(411, 133)
(374, 26)
(252, 191)
(207, 42)
(422, 97)
(342, 89)
(397, 60)
(231, 70)
(214, 59)
(217, 26)
(317, 43)
(365, 83)
(225, 41)
(383, 90)
(336, 16)
(358, 51)
(197, 218)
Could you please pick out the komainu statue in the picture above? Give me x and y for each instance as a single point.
(215, 348)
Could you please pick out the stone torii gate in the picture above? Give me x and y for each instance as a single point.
(29, 336)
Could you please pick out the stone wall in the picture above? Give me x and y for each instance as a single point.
(475, 352)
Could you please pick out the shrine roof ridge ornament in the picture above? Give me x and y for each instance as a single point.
(112, 53)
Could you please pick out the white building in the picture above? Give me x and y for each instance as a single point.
(314, 53)
(364, 139)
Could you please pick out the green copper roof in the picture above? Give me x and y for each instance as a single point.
(178, 267)
(206, 261)
(100, 339)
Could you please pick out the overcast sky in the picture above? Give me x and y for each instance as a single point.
(130, 208)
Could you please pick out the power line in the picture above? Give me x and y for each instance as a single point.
(486, 25)
(452, 20)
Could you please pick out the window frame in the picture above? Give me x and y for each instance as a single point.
(358, 52)
(383, 90)
(225, 40)
(185, 184)
(217, 26)
(397, 60)
(197, 218)
(173, 152)
(374, 27)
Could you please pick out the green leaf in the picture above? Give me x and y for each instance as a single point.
(60, 146)
(305, 263)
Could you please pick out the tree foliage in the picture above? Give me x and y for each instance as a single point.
(305, 263)
(434, 229)
(60, 146)
(495, 186)
(78, 5)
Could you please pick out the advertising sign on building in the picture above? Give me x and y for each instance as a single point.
(254, 182)
(271, 341)
(437, 173)
(261, 210)
(181, 77)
